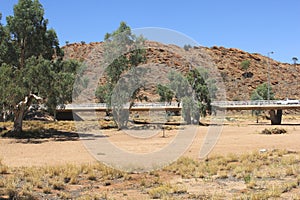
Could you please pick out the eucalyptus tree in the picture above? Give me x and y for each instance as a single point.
(32, 66)
(123, 52)
(194, 91)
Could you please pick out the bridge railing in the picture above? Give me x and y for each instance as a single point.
(85, 105)
(156, 104)
(170, 105)
(244, 103)
(103, 105)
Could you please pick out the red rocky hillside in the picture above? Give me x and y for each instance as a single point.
(239, 82)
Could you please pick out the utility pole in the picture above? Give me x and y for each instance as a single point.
(268, 62)
(295, 59)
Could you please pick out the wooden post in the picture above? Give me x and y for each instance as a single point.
(163, 129)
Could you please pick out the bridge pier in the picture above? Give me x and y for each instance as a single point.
(275, 117)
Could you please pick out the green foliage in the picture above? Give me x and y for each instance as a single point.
(295, 59)
(245, 65)
(29, 33)
(102, 93)
(190, 110)
(61, 87)
(166, 94)
(179, 84)
(125, 92)
(261, 93)
(30, 61)
(123, 51)
(51, 80)
(187, 47)
(195, 91)
(7, 49)
(204, 88)
(116, 52)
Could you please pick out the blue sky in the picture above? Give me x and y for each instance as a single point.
(255, 26)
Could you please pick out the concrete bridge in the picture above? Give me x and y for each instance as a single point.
(68, 111)
(275, 108)
(136, 107)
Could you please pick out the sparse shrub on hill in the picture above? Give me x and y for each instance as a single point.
(187, 47)
(245, 65)
(295, 59)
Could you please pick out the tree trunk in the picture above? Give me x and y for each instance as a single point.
(18, 120)
(20, 110)
(188, 117)
(22, 56)
(121, 117)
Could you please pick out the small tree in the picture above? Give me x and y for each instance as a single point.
(295, 59)
(194, 90)
(204, 88)
(261, 93)
(245, 65)
(187, 47)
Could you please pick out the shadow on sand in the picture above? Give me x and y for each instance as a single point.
(41, 135)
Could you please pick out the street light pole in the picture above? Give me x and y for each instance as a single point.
(269, 75)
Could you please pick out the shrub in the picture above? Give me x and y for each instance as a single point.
(245, 64)
(273, 131)
(187, 47)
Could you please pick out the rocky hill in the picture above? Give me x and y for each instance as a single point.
(239, 81)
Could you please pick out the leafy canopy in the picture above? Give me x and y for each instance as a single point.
(261, 93)
(31, 61)
(245, 65)
(123, 51)
(194, 91)
(29, 33)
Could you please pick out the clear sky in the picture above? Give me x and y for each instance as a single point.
(255, 26)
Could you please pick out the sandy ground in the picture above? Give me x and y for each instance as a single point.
(233, 139)
(236, 137)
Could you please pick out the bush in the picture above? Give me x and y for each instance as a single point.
(273, 131)
(245, 65)
(187, 47)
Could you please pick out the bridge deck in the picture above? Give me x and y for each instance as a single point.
(222, 105)
(103, 109)
(254, 105)
(258, 107)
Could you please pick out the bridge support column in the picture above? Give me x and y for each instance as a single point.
(275, 117)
